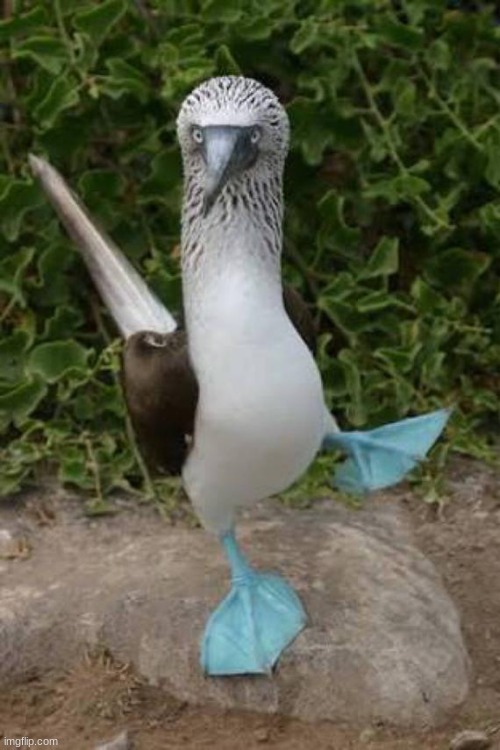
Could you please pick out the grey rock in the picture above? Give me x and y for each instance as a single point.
(121, 742)
(470, 740)
(383, 643)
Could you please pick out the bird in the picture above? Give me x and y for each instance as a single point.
(233, 400)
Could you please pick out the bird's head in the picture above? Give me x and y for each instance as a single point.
(231, 129)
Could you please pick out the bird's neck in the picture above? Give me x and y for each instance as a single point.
(231, 259)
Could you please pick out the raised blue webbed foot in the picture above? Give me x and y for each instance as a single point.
(259, 617)
(382, 457)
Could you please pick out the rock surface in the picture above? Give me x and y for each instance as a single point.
(121, 742)
(383, 645)
(470, 740)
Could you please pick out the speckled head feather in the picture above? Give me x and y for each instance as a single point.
(251, 196)
(235, 100)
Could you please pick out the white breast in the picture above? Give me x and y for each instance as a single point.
(260, 417)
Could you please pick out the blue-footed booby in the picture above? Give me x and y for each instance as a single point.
(235, 402)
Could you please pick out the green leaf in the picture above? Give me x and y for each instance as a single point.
(224, 61)
(429, 301)
(405, 98)
(12, 272)
(21, 401)
(22, 24)
(401, 187)
(65, 320)
(62, 94)
(54, 360)
(168, 287)
(221, 11)
(314, 129)
(17, 199)
(85, 55)
(375, 301)
(125, 79)
(432, 368)
(456, 268)
(67, 137)
(52, 287)
(345, 317)
(399, 360)
(439, 55)
(73, 468)
(165, 175)
(305, 36)
(12, 350)
(398, 34)
(335, 232)
(253, 29)
(46, 51)
(99, 184)
(384, 260)
(97, 22)
(492, 147)
(489, 216)
(356, 410)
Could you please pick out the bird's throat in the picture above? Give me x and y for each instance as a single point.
(231, 259)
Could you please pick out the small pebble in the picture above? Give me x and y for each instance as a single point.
(470, 740)
(12, 547)
(262, 734)
(120, 742)
(367, 735)
(6, 542)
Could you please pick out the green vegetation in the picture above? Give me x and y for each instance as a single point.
(393, 204)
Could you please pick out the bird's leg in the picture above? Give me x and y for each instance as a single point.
(250, 628)
(241, 570)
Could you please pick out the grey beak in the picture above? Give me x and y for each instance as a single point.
(227, 151)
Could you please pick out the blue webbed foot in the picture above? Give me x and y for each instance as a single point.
(382, 457)
(259, 617)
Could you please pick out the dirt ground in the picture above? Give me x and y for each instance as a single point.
(99, 698)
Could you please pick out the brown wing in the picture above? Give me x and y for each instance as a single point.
(161, 393)
(299, 314)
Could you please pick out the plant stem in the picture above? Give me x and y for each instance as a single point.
(63, 31)
(384, 126)
(94, 466)
(455, 119)
(8, 309)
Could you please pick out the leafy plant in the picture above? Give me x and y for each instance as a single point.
(393, 205)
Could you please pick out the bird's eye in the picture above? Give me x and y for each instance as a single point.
(255, 135)
(197, 135)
